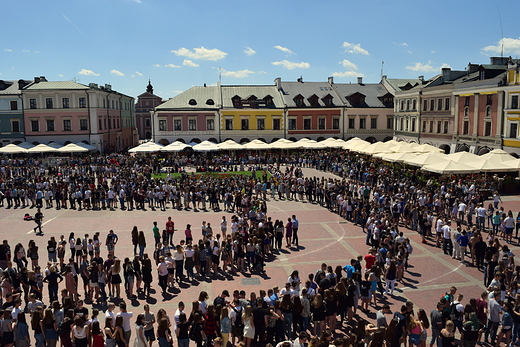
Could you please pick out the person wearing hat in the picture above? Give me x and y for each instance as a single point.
(221, 300)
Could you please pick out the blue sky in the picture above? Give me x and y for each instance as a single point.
(179, 44)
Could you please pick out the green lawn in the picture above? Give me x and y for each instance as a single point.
(229, 173)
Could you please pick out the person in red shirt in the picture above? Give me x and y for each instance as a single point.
(169, 230)
(370, 259)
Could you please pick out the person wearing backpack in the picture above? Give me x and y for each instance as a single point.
(457, 312)
(237, 324)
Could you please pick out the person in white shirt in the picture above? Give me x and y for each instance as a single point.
(110, 313)
(446, 233)
(127, 328)
(462, 210)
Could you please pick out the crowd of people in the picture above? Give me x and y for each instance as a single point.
(382, 200)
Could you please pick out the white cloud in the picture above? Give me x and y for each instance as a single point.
(237, 74)
(428, 67)
(434, 52)
(289, 65)
(117, 73)
(403, 44)
(261, 72)
(354, 48)
(36, 51)
(347, 74)
(88, 72)
(347, 64)
(409, 52)
(167, 65)
(138, 73)
(26, 51)
(201, 53)
(8, 50)
(249, 51)
(60, 75)
(189, 63)
(510, 46)
(284, 49)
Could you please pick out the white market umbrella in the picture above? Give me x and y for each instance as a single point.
(355, 143)
(396, 157)
(176, 146)
(425, 148)
(256, 145)
(495, 166)
(146, 147)
(71, 148)
(281, 144)
(402, 147)
(463, 157)
(42, 148)
(378, 147)
(12, 149)
(311, 144)
(230, 145)
(333, 143)
(425, 159)
(85, 145)
(497, 155)
(450, 167)
(205, 146)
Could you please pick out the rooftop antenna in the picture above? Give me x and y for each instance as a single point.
(382, 65)
(220, 75)
(502, 31)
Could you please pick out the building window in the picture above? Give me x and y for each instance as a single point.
(351, 123)
(414, 104)
(489, 99)
(210, 124)
(424, 126)
(402, 105)
(15, 126)
(413, 125)
(32, 104)
(466, 101)
(439, 105)
(147, 123)
(407, 122)
(244, 124)
(321, 123)
(82, 102)
(14, 105)
(432, 105)
(335, 123)
(373, 123)
(401, 127)
(48, 103)
(292, 123)
(66, 125)
(446, 126)
(431, 126)
(104, 123)
(439, 126)
(408, 105)
(192, 124)
(260, 124)
(83, 124)
(162, 124)
(229, 124)
(177, 125)
(487, 129)
(276, 124)
(362, 123)
(307, 124)
(465, 128)
(65, 102)
(447, 104)
(298, 100)
(100, 124)
(425, 105)
(514, 102)
(35, 125)
(50, 124)
(389, 123)
(513, 130)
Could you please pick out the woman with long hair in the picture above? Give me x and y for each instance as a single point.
(81, 333)
(390, 277)
(146, 271)
(225, 325)
(163, 333)
(98, 339)
(182, 331)
(140, 340)
(318, 314)
(288, 232)
(110, 331)
(115, 278)
(197, 331)
(331, 308)
(249, 325)
(70, 283)
(119, 333)
(7, 330)
(425, 325)
(49, 328)
(210, 325)
(286, 306)
(21, 330)
(179, 256)
(135, 237)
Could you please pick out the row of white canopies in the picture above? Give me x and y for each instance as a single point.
(26, 147)
(428, 157)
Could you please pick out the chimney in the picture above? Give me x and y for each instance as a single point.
(21, 84)
(331, 80)
(43, 79)
(446, 73)
(37, 80)
(108, 86)
(360, 80)
(300, 79)
(278, 83)
(498, 60)
(421, 78)
(472, 67)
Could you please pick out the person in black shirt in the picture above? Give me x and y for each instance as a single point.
(260, 319)
(80, 310)
(221, 300)
(53, 279)
(38, 218)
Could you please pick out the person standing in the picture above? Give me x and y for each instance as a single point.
(170, 225)
(38, 218)
(295, 226)
(127, 329)
(156, 234)
(446, 233)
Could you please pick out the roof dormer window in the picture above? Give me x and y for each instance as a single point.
(210, 102)
(298, 100)
(314, 100)
(327, 100)
(192, 102)
(268, 99)
(237, 101)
